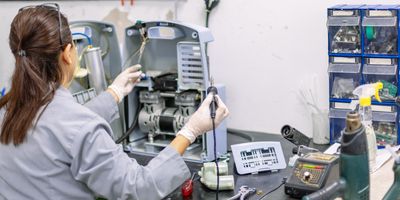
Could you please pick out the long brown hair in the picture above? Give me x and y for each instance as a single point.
(35, 42)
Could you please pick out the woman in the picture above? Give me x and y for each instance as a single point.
(53, 148)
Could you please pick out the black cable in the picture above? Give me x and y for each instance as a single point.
(207, 19)
(209, 8)
(215, 156)
(133, 126)
(273, 190)
(210, 5)
(126, 111)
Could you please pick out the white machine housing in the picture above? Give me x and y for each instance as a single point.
(176, 66)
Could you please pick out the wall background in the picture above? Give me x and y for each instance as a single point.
(264, 51)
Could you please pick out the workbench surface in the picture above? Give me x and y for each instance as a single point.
(267, 181)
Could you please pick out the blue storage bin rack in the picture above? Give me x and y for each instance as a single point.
(370, 66)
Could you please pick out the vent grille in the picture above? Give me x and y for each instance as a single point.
(190, 66)
(84, 96)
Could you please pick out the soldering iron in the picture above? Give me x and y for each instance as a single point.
(213, 106)
(213, 109)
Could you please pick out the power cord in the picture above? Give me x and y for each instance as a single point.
(133, 125)
(210, 5)
(213, 109)
(273, 190)
(215, 156)
(140, 50)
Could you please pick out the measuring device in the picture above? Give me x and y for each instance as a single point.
(310, 173)
(254, 157)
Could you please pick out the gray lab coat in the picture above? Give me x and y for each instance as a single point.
(70, 155)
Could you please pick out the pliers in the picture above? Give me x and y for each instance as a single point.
(244, 191)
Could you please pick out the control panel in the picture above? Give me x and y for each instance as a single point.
(310, 174)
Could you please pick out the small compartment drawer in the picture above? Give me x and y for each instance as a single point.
(337, 122)
(379, 26)
(385, 125)
(384, 70)
(344, 76)
(344, 30)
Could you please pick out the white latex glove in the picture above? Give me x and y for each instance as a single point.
(200, 122)
(125, 81)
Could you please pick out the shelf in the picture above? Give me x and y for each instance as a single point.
(345, 54)
(374, 102)
(376, 116)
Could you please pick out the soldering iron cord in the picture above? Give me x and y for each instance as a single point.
(283, 182)
(215, 156)
(133, 125)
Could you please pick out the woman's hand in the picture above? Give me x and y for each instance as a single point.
(125, 82)
(201, 122)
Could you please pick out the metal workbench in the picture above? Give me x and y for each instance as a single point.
(265, 181)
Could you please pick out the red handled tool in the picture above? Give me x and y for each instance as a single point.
(187, 187)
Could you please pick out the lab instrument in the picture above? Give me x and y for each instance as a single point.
(310, 173)
(254, 157)
(177, 72)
